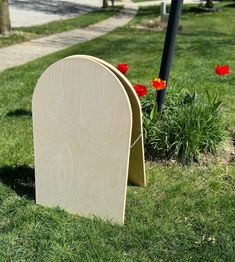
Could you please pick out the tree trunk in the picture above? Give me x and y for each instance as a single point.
(209, 4)
(5, 24)
(105, 3)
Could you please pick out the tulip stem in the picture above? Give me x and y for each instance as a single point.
(168, 51)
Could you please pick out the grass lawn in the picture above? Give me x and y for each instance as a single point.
(137, 1)
(184, 214)
(21, 34)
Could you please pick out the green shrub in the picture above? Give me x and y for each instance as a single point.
(187, 126)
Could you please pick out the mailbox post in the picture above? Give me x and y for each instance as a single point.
(168, 51)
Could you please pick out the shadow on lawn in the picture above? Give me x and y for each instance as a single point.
(205, 33)
(230, 5)
(21, 179)
(19, 112)
(52, 7)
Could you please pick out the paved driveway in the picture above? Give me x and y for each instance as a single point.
(34, 12)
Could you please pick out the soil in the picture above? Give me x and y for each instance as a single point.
(224, 155)
(155, 25)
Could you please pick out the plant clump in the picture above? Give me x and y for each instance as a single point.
(187, 127)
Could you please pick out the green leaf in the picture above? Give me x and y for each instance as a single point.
(153, 113)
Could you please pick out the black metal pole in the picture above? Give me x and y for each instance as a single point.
(168, 51)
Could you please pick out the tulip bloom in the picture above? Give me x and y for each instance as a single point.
(140, 90)
(159, 84)
(222, 70)
(123, 68)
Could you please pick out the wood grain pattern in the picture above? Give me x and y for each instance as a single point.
(82, 124)
(136, 173)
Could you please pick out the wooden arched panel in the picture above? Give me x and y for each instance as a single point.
(82, 124)
(136, 173)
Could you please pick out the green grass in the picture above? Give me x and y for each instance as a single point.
(205, 40)
(184, 214)
(21, 34)
(137, 1)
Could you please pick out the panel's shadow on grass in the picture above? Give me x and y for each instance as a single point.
(19, 112)
(21, 179)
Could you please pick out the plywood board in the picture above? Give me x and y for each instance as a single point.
(82, 124)
(137, 164)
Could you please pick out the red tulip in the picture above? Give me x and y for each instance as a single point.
(140, 90)
(222, 70)
(159, 84)
(123, 68)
